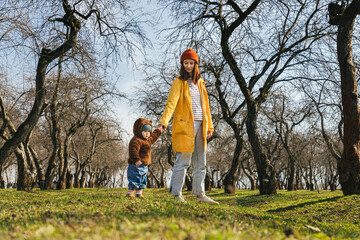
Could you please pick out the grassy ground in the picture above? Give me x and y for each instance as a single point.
(108, 214)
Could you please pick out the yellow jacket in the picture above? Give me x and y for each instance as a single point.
(183, 128)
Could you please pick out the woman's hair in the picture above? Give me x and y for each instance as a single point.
(184, 75)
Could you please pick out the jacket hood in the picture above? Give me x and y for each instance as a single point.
(139, 123)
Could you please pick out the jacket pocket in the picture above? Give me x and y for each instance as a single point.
(180, 126)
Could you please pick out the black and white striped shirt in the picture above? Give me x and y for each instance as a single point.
(195, 100)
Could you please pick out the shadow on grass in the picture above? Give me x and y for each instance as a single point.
(256, 199)
(301, 205)
(220, 194)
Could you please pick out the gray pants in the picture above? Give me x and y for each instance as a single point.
(182, 162)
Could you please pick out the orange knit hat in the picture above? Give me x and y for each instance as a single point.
(189, 54)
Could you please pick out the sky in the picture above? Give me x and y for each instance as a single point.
(131, 76)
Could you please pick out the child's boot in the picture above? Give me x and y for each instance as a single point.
(130, 194)
(139, 195)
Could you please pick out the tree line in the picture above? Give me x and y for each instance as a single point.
(281, 77)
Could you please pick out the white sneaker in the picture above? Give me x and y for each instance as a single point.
(206, 199)
(180, 199)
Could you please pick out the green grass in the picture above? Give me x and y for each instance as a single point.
(108, 214)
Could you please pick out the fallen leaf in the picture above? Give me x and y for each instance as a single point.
(130, 209)
(70, 226)
(313, 228)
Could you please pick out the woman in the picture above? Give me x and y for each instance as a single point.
(192, 125)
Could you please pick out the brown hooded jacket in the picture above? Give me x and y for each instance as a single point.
(139, 147)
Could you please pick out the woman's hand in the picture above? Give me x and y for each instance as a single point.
(209, 134)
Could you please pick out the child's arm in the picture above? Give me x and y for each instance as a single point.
(154, 135)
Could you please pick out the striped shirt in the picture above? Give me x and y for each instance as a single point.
(195, 100)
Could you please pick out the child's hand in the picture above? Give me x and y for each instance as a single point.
(138, 163)
(209, 134)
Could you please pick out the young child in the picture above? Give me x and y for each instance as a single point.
(140, 155)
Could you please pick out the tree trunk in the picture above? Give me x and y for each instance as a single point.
(62, 174)
(61, 183)
(148, 182)
(39, 169)
(213, 177)
(266, 173)
(69, 180)
(249, 173)
(50, 171)
(83, 179)
(232, 176)
(64, 155)
(102, 178)
(308, 182)
(291, 172)
(252, 183)
(91, 183)
(24, 180)
(349, 165)
(333, 183)
(150, 177)
(188, 182)
(278, 181)
(55, 132)
(162, 175)
(76, 180)
(298, 182)
(2, 182)
(160, 182)
(207, 182)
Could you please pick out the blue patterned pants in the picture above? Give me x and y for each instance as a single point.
(137, 176)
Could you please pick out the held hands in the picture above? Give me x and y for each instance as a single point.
(161, 127)
(138, 163)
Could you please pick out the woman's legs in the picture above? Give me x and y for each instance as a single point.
(199, 161)
(182, 162)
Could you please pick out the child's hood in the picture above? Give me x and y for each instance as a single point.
(139, 123)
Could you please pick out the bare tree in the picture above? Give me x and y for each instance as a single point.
(230, 115)
(46, 56)
(285, 122)
(24, 156)
(55, 34)
(293, 35)
(220, 154)
(97, 143)
(248, 169)
(349, 166)
(333, 141)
